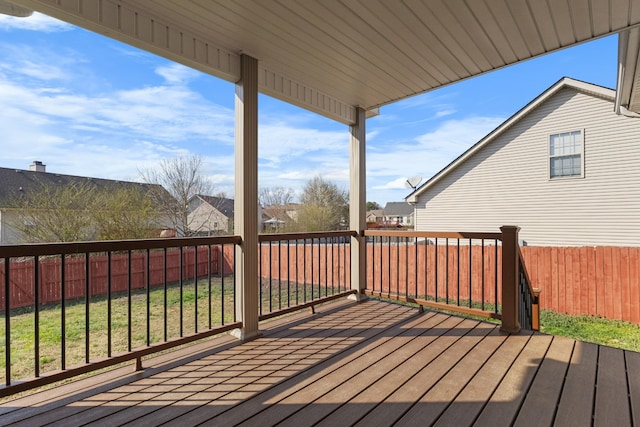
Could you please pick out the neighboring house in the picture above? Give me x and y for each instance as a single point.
(399, 214)
(563, 168)
(210, 216)
(16, 183)
(278, 217)
(375, 216)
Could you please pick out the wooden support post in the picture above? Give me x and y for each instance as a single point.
(246, 199)
(358, 204)
(510, 322)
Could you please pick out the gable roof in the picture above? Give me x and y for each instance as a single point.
(563, 83)
(15, 182)
(222, 204)
(397, 209)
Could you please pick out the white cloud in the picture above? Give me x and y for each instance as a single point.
(281, 142)
(35, 22)
(398, 183)
(425, 155)
(175, 73)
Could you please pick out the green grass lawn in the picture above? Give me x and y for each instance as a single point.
(201, 308)
(612, 333)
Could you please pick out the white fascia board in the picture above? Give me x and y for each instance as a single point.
(562, 83)
(286, 89)
(119, 21)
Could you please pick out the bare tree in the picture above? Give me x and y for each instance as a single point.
(182, 178)
(275, 196)
(324, 206)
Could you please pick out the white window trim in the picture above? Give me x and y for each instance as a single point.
(582, 154)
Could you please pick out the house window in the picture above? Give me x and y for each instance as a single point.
(566, 155)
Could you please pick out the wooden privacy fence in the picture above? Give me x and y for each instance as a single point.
(599, 281)
(22, 273)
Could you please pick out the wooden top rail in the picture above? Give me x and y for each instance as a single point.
(41, 249)
(302, 236)
(435, 234)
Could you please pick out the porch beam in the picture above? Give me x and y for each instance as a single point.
(358, 203)
(246, 199)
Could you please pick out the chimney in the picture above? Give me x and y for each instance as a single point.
(37, 166)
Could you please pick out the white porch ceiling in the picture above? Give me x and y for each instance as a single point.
(330, 56)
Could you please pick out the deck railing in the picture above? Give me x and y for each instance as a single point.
(455, 271)
(529, 302)
(72, 308)
(300, 270)
(90, 305)
(452, 271)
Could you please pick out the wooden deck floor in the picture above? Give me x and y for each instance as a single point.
(368, 364)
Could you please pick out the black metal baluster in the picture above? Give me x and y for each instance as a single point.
(470, 274)
(495, 274)
(7, 322)
(279, 274)
(129, 278)
(109, 337)
(148, 286)
(436, 270)
(270, 277)
(36, 314)
(164, 282)
(446, 272)
(415, 269)
(482, 272)
(458, 243)
(389, 263)
(288, 273)
(63, 320)
(261, 303)
(195, 288)
(181, 282)
(209, 262)
(221, 267)
(87, 299)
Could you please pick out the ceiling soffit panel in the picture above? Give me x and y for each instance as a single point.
(330, 56)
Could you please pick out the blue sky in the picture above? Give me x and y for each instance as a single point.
(87, 105)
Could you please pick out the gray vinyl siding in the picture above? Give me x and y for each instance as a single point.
(507, 181)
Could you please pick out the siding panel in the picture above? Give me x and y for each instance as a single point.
(506, 182)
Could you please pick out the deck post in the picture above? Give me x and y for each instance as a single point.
(246, 199)
(510, 322)
(358, 204)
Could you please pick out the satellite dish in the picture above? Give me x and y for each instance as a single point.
(11, 9)
(413, 182)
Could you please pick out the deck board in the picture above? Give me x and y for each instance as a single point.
(612, 402)
(467, 405)
(369, 364)
(576, 404)
(547, 385)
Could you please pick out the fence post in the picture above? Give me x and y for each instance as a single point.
(510, 322)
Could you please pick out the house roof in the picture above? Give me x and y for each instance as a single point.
(398, 209)
(331, 57)
(15, 182)
(279, 211)
(224, 205)
(563, 83)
